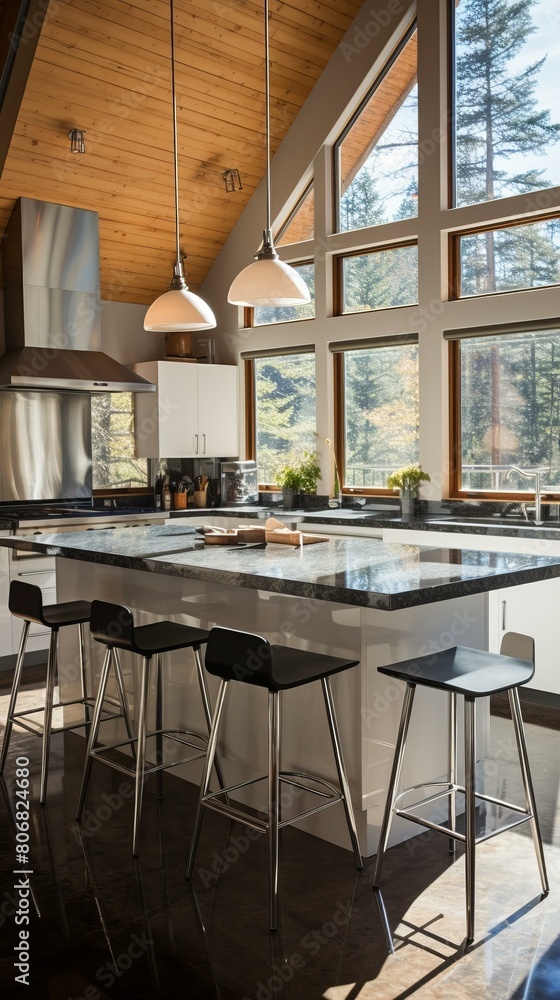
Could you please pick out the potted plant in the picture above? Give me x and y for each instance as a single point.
(298, 476)
(407, 482)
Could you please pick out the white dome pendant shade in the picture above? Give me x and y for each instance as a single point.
(178, 309)
(268, 281)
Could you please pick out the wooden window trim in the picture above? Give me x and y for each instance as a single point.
(339, 436)
(338, 275)
(390, 62)
(456, 492)
(250, 410)
(490, 227)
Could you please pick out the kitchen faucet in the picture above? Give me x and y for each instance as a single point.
(538, 497)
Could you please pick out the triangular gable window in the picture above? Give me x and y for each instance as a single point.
(299, 224)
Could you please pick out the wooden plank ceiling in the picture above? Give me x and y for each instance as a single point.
(105, 67)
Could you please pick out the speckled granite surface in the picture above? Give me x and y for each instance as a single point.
(358, 571)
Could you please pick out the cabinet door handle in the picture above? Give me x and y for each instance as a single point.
(196, 444)
(204, 444)
(504, 609)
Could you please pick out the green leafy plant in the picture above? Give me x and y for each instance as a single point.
(408, 479)
(301, 474)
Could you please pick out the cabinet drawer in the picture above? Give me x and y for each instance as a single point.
(45, 578)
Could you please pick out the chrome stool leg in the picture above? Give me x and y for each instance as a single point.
(123, 699)
(83, 677)
(470, 813)
(141, 756)
(452, 770)
(206, 705)
(206, 775)
(14, 695)
(94, 730)
(274, 723)
(394, 781)
(159, 724)
(341, 770)
(52, 667)
(517, 718)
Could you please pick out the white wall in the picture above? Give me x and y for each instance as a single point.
(123, 336)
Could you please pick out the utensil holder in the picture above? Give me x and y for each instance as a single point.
(199, 498)
(179, 501)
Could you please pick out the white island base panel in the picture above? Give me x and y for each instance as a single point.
(368, 703)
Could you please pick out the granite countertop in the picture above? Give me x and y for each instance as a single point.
(357, 571)
(384, 518)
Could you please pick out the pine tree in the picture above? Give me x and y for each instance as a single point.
(497, 112)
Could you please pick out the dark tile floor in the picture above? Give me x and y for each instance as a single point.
(103, 925)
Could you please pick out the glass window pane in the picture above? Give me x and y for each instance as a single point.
(380, 280)
(507, 98)
(504, 259)
(510, 409)
(378, 157)
(112, 435)
(263, 315)
(285, 410)
(300, 226)
(381, 407)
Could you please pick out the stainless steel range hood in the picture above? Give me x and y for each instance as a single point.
(52, 304)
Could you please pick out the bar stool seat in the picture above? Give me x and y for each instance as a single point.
(26, 602)
(113, 626)
(249, 658)
(472, 673)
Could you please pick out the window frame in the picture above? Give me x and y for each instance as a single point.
(249, 374)
(336, 179)
(457, 492)
(339, 350)
(338, 275)
(490, 227)
(109, 491)
(249, 311)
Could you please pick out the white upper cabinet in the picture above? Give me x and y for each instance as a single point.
(192, 414)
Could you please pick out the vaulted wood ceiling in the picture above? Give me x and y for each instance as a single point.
(105, 67)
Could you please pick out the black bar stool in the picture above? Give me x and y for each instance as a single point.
(113, 625)
(26, 601)
(242, 656)
(474, 674)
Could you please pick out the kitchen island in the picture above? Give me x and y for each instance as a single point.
(359, 598)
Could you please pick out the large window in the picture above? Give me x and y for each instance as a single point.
(507, 98)
(379, 279)
(283, 419)
(112, 435)
(507, 409)
(377, 411)
(264, 315)
(377, 154)
(509, 259)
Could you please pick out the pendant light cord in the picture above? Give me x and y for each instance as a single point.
(175, 142)
(267, 112)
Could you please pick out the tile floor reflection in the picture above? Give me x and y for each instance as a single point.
(104, 925)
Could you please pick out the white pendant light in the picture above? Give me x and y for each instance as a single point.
(268, 281)
(177, 309)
